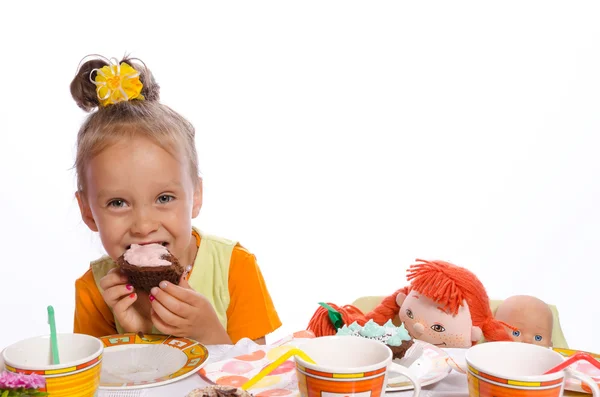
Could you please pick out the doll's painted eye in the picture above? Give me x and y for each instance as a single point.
(538, 338)
(438, 328)
(409, 313)
(516, 333)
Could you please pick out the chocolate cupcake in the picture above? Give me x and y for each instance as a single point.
(219, 391)
(400, 351)
(396, 338)
(147, 265)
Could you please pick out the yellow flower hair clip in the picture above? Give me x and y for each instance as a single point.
(117, 83)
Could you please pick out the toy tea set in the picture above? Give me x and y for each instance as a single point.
(397, 346)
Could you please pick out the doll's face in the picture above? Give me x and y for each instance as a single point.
(531, 317)
(424, 320)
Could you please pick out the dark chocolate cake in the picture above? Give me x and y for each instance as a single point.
(219, 391)
(152, 264)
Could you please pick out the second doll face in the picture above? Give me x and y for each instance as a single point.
(530, 317)
(529, 331)
(425, 320)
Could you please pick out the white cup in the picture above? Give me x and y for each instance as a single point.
(347, 365)
(506, 369)
(77, 375)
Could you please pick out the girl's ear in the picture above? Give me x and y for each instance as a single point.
(86, 212)
(400, 299)
(197, 200)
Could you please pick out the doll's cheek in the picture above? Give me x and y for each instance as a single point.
(476, 334)
(437, 336)
(455, 340)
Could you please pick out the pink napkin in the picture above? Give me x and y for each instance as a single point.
(122, 393)
(238, 370)
(589, 370)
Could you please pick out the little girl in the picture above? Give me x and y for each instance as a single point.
(138, 183)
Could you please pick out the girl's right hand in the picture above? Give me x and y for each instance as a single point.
(131, 309)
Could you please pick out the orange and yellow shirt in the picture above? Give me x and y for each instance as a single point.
(250, 311)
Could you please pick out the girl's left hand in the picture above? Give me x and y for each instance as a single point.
(179, 310)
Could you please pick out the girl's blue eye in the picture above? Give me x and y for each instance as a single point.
(165, 198)
(118, 203)
(517, 333)
(538, 338)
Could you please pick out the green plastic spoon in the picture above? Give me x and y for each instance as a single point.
(53, 337)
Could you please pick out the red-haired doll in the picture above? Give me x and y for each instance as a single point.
(445, 305)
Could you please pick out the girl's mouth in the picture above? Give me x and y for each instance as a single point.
(163, 243)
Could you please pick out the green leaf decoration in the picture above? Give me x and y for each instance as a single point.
(334, 316)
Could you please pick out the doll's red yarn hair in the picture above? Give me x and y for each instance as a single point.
(445, 283)
(451, 286)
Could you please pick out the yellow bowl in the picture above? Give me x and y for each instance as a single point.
(77, 375)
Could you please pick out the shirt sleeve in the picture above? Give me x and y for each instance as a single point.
(251, 313)
(92, 315)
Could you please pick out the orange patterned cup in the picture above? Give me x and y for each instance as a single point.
(513, 369)
(346, 366)
(77, 375)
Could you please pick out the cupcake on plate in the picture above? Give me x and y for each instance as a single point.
(147, 265)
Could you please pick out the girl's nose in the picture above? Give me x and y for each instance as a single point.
(419, 329)
(143, 223)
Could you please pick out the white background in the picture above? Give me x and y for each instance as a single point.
(338, 141)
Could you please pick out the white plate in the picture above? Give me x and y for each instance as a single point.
(430, 368)
(135, 361)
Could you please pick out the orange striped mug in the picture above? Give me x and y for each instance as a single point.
(513, 369)
(347, 366)
(77, 375)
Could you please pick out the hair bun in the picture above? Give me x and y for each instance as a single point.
(83, 90)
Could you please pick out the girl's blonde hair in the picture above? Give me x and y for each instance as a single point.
(148, 118)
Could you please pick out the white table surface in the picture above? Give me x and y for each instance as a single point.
(454, 385)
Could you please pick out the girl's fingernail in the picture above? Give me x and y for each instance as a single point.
(152, 298)
(163, 284)
(132, 296)
(129, 287)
